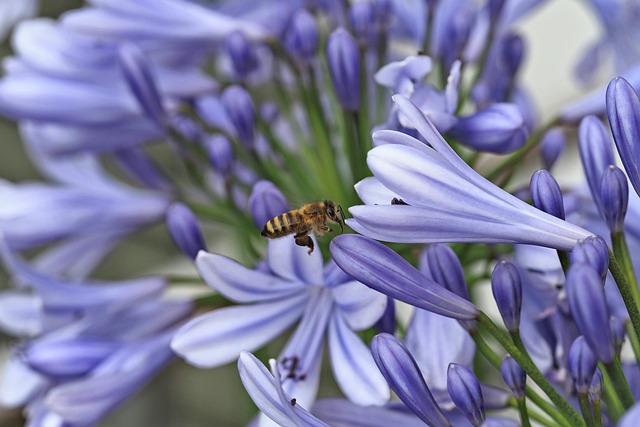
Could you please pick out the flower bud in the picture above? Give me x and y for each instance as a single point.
(585, 294)
(239, 107)
(343, 58)
(266, 202)
(617, 332)
(595, 389)
(623, 110)
(301, 39)
(220, 154)
(614, 196)
(440, 263)
(596, 153)
(546, 193)
(242, 54)
(464, 390)
(507, 291)
(593, 251)
(499, 129)
(551, 147)
(137, 72)
(67, 358)
(387, 323)
(402, 373)
(361, 17)
(185, 230)
(514, 376)
(512, 47)
(582, 364)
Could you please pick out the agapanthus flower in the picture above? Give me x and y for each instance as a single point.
(445, 200)
(291, 286)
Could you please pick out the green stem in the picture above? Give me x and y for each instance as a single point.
(597, 415)
(621, 252)
(585, 408)
(531, 369)
(538, 400)
(626, 293)
(633, 340)
(524, 414)
(614, 405)
(620, 384)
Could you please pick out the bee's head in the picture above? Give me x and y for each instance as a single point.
(332, 211)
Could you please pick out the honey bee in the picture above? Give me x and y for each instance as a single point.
(310, 217)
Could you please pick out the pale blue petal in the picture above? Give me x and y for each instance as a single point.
(360, 306)
(21, 314)
(343, 413)
(631, 417)
(19, 384)
(218, 337)
(292, 262)
(353, 366)
(372, 192)
(241, 284)
(435, 341)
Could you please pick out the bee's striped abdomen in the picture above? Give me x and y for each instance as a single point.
(282, 225)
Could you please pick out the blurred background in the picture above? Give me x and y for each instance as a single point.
(184, 396)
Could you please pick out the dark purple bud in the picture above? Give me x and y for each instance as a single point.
(512, 53)
(137, 72)
(582, 364)
(361, 17)
(301, 39)
(387, 323)
(617, 332)
(380, 268)
(514, 376)
(495, 8)
(440, 263)
(595, 389)
(593, 251)
(585, 294)
(239, 107)
(220, 154)
(266, 202)
(344, 65)
(185, 230)
(614, 195)
(596, 153)
(464, 390)
(623, 110)
(551, 147)
(546, 194)
(402, 373)
(499, 129)
(242, 54)
(507, 291)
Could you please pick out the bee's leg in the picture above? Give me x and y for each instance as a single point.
(323, 229)
(304, 240)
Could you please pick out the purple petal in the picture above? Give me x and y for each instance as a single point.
(67, 358)
(241, 284)
(19, 383)
(343, 413)
(361, 306)
(353, 366)
(21, 314)
(216, 338)
(372, 192)
(292, 262)
(380, 268)
(435, 341)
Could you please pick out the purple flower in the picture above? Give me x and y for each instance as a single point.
(401, 77)
(242, 54)
(404, 376)
(546, 194)
(507, 291)
(185, 230)
(514, 376)
(552, 145)
(499, 128)
(464, 389)
(344, 64)
(291, 286)
(585, 293)
(623, 110)
(301, 38)
(239, 107)
(266, 202)
(446, 200)
(614, 197)
(582, 364)
(382, 269)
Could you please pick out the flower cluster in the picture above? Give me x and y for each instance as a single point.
(254, 132)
